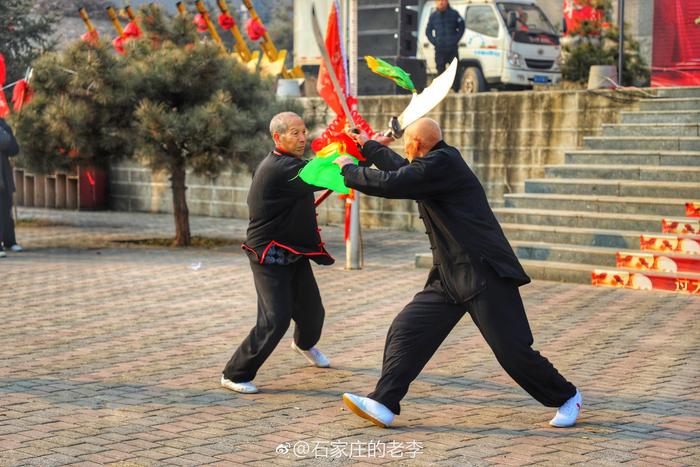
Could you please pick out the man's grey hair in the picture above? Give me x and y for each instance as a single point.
(280, 122)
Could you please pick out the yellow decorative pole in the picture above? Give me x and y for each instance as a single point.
(275, 59)
(240, 45)
(115, 20)
(212, 30)
(86, 19)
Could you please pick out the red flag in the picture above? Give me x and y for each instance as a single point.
(21, 95)
(324, 85)
(4, 108)
(2, 70)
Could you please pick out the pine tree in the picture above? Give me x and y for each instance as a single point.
(23, 36)
(173, 102)
(79, 113)
(198, 107)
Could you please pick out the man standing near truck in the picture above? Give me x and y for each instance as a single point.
(445, 29)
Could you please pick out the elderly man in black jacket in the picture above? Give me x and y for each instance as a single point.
(474, 270)
(445, 29)
(282, 237)
(8, 148)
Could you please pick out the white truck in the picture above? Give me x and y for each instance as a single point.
(507, 44)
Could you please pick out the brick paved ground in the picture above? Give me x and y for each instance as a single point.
(112, 353)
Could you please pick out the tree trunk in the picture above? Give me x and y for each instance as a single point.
(182, 215)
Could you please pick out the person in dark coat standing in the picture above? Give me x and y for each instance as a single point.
(8, 148)
(282, 237)
(445, 29)
(474, 270)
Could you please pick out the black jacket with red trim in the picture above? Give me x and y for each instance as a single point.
(463, 231)
(282, 212)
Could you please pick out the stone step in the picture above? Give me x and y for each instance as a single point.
(634, 188)
(681, 103)
(564, 253)
(602, 187)
(542, 269)
(667, 116)
(573, 263)
(640, 157)
(619, 204)
(581, 219)
(608, 238)
(625, 172)
(678, 92)
(677, 143)
(558, 272)
(601, 256)
(651, 129)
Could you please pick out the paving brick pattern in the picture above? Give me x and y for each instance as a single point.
(111, 354)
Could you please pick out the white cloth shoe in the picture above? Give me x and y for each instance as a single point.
(2, 254)
(313, 356)
(369, 409)
(567, 413)
(16, 248)
(246, 387)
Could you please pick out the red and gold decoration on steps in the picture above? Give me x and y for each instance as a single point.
(669, 261)
(680, 226)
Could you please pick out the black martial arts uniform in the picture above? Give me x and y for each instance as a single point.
(474, 269)
(8, 148)
(282, 236)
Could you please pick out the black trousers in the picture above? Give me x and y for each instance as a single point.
(498, 312)
(285, 293)
(443, 58)
(7, 225)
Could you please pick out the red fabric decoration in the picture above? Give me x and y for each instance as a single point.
(132, 31)
(324, 85)
(226, 21)
(21, 95)
(2, 70)
(91, 37)
(200, 22)
(118, 44)
(4, 108)
(255, 29)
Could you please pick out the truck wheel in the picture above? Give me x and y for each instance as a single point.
(473, 81)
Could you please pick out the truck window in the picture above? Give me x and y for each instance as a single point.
(482, 19)
(531, 25)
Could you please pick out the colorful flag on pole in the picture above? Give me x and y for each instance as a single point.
(321, 171)
(324, 86)
(397, 74)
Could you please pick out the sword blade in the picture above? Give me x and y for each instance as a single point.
(431, 96)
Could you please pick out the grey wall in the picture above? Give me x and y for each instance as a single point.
(505, 137)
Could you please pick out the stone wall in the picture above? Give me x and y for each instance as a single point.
(505, 137)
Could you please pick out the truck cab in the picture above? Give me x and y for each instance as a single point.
(507, 44)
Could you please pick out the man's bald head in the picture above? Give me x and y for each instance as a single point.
(421, 136)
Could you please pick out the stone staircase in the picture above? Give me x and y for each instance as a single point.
(605, 195)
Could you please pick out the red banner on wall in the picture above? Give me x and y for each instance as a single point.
(676, 49)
